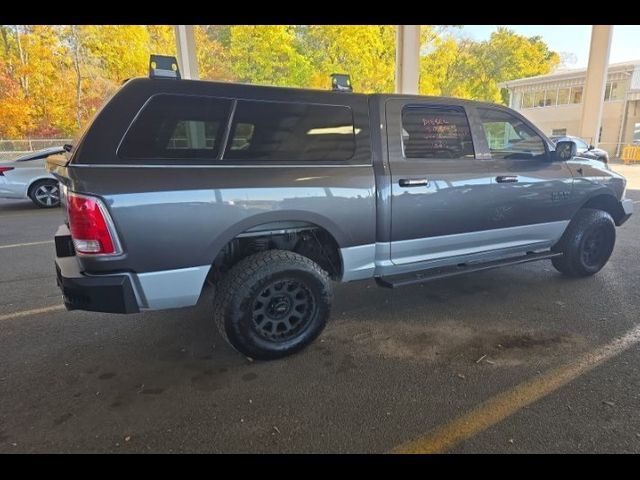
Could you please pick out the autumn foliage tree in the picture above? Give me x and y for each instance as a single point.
(53, 78)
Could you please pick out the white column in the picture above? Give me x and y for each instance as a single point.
(593, 97)
(186, 46)
(407, 59)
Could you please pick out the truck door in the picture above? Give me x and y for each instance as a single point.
(438, 185)
(530, 195)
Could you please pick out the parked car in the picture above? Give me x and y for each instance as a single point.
(584, 149)
(270, 193)
(26, 177)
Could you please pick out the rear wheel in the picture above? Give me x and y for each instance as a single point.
(45, 193)
(587, 244)
(273, 304)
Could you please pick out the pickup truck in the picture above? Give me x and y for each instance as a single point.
(269, 194)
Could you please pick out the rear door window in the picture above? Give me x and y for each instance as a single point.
(439, 132)
(177, 127)
(286, 131)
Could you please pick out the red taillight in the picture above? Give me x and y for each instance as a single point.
(5, 169)
(88, 226)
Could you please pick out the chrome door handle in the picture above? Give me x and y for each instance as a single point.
(507, 179)
(414, 182)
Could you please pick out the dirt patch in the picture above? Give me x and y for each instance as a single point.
(453, 342)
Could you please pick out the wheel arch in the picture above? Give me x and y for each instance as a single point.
(290, 221)
(607, 202)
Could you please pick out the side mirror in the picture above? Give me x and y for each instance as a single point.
(566, 150)
(591, 147)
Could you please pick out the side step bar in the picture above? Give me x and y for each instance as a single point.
(395, 281)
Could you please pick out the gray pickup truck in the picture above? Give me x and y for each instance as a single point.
(268, 194)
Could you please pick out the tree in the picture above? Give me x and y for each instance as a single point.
(15, 114)
(365, 52)
(268, 54)
(53, 78)
(213, 52)
(474, 69)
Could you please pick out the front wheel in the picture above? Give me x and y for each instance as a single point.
(273, 304)
(587, 244)
(45, 193)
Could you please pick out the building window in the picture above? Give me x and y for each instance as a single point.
(559, 132)
(550, 98)
(576, 95)
(636, 133)
(563, 96)
(538, 99)
(613, 91)
(527, 100)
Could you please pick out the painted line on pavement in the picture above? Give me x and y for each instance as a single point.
(501, 406)
(35, 311)
(14, 245)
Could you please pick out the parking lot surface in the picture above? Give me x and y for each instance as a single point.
(478, 363)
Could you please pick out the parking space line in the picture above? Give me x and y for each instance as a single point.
(14, 245)
(507, 403)
(35, 311)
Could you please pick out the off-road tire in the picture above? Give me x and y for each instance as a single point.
(238, 303)
(587, 243)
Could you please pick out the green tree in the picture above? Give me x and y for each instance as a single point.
(365, 52)
(213, 42)
(268, 54)
(470, 69)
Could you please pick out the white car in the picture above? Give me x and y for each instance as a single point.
(26, 177)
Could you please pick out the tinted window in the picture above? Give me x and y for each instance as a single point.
(436, 132)
(279, 131)
(177, 127)
(509, 137)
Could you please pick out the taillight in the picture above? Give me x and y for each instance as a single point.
(5, 169)
(88, 223)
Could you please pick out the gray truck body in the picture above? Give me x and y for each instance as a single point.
(174, 218)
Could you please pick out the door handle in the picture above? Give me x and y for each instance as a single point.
(507, 179)
(414, 182)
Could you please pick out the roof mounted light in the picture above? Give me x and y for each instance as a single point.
(341, 82)
(162, 66)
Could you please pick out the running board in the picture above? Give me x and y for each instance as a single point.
(395, 281)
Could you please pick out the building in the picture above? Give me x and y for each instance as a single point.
(554, 103)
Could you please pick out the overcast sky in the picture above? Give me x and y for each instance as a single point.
(571, 39)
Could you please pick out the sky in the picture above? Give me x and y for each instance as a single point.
(574, 39)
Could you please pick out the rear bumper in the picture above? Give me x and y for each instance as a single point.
(627, 207)
(123, 292)
(104, 293)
